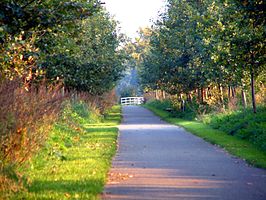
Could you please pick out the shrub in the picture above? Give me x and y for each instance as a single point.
(25, 119)
(163, 105)
(242, 123)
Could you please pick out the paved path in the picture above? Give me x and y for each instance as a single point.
(157, 161)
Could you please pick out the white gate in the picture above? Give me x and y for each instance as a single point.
(132, 100)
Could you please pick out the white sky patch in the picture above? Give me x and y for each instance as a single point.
(133, 14)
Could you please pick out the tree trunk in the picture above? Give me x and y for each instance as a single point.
(161, 95)
(63, 91)
(198, 96)
(233, 92)
(182, 103)
(244, 99)
(221, 95)
(156, 95)
(189, 98)
(206, 93)
(229, 92)
(202, 95)
(252, 80)
(164, 96)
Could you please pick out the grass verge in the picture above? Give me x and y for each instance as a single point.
(236, 146)
(76, 158)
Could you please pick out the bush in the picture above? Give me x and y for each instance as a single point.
(163, 105)
(192, 110)
(66, 130)
(25, 120)
(242, 123)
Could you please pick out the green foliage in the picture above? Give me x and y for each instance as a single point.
(26, 15)
(83, 62)
(72, 41)
(78, 112)
(129, 85)
(193, 110)
(204, 44)
(243, 124)
(24, 23)
(163, 105)
(129, 91)
(74, 162)
(240, 123)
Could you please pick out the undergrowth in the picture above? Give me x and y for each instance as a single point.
(241, 123)
(26, 117)
(241, 133)
(74, 160)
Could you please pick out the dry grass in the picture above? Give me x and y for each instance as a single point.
(26, 116)
(23, 115)
(100, 102)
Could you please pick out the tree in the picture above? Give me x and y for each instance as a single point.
(76, 42)
(204, 45)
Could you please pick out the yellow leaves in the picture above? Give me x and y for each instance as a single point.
(221, 26)
(212, 7)
(30, 58)
(215, 57)
(220, 23)
(199, 25)
(21, 131)
(17, 60)
(76, 139)
(115, 177)
(136, 56)
(67, 195)
(206, 41)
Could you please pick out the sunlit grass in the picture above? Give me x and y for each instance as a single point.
(75, 161)
(236, 146)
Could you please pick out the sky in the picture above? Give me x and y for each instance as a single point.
(133, 14)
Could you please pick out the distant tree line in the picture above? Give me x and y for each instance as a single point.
(197, 49)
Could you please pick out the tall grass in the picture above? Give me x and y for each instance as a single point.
(25, 120)
(27, 116)
(74, 161)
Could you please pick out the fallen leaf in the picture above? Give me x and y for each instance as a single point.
(67, 195)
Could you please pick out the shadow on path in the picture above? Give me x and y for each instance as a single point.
(156, 160)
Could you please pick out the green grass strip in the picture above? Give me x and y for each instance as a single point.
(76, 160)
(235, 146)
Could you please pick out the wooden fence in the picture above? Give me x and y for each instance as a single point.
(132, 100)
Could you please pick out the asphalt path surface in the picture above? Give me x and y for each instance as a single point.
(157, 161)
